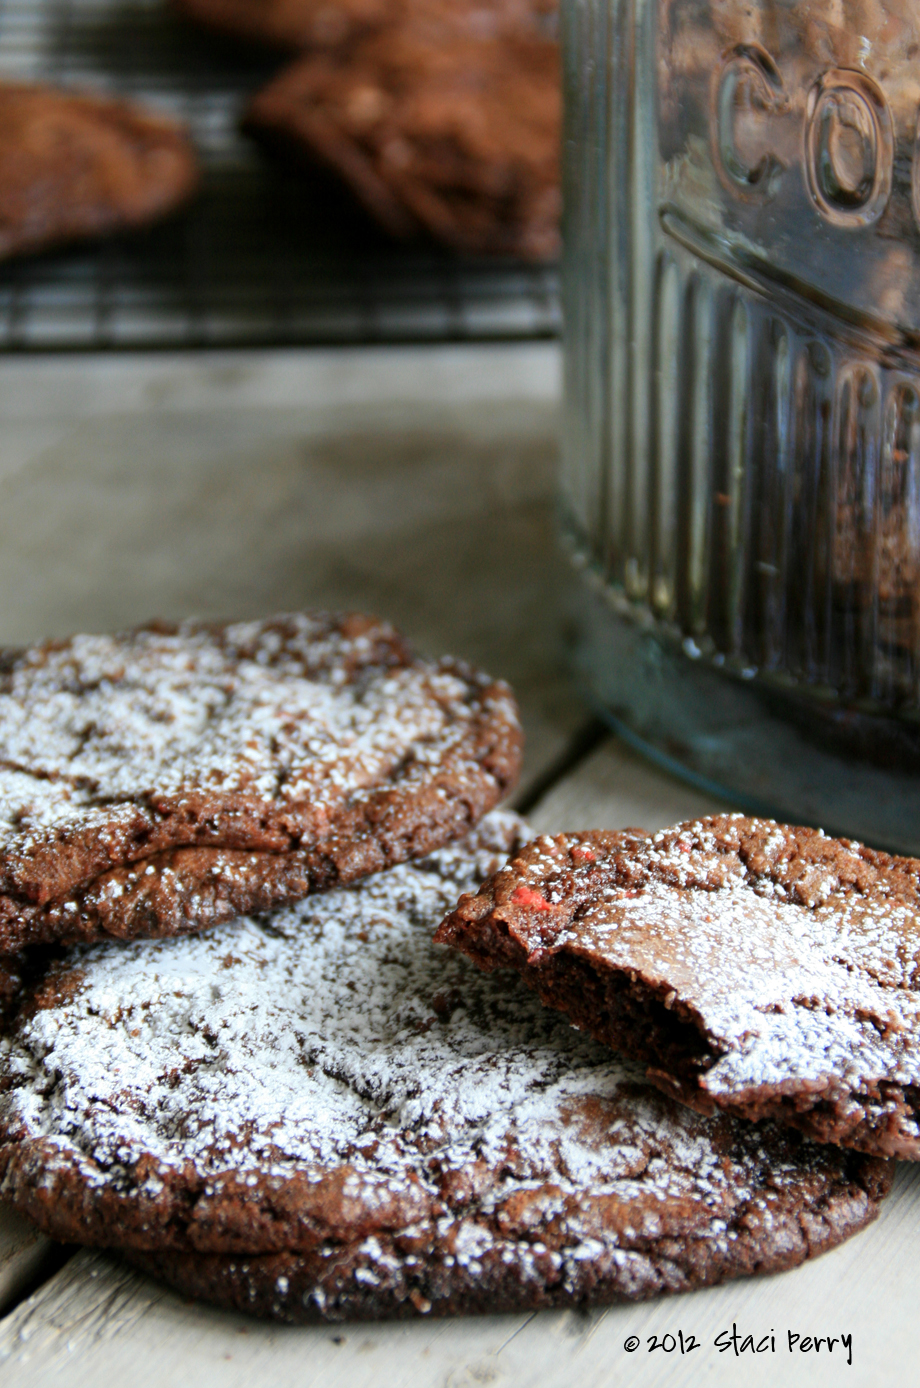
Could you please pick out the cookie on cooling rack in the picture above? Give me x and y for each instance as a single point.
(751, 967)
(294, 25)
(321, 1112)
(451, 137)
(167, 778)
(75, 165)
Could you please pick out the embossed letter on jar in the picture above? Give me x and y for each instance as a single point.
(741, 477)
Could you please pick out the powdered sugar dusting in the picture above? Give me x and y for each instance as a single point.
(798, 955)
(336, 1035)
(103, 720)
(99, 732)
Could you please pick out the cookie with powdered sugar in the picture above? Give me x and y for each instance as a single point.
(751, 967)
(323, 1112)
(165, 779)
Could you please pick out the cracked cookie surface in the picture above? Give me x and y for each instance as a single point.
(751, 966)
(162, 780)
(323, 1112)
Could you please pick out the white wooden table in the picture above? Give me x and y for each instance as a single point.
(416, 483)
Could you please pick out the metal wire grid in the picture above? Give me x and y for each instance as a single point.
(263, 257)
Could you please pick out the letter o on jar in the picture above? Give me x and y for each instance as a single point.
(747, 83)
(849, 148)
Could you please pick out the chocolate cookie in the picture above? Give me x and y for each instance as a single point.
(162, 780)
(321, 1111)
(454, 138)
(751, 967)
(289, 25)
(75, 166)
(299, 24)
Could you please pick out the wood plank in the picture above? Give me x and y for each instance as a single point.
(61, 390)
(615, 788)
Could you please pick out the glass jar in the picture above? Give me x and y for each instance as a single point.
(741, 474)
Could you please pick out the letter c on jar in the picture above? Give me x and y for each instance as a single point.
(748, 84)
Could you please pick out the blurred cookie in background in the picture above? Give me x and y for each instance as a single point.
(294, 25)
(453, 137)
(74, 166)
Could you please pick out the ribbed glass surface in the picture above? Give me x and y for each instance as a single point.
(742, 456)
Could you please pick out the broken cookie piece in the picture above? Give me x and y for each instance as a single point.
(751, 967)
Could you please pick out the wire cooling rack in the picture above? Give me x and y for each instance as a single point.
(264, 257)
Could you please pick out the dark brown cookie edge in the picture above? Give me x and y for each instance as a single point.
(346, 1283)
